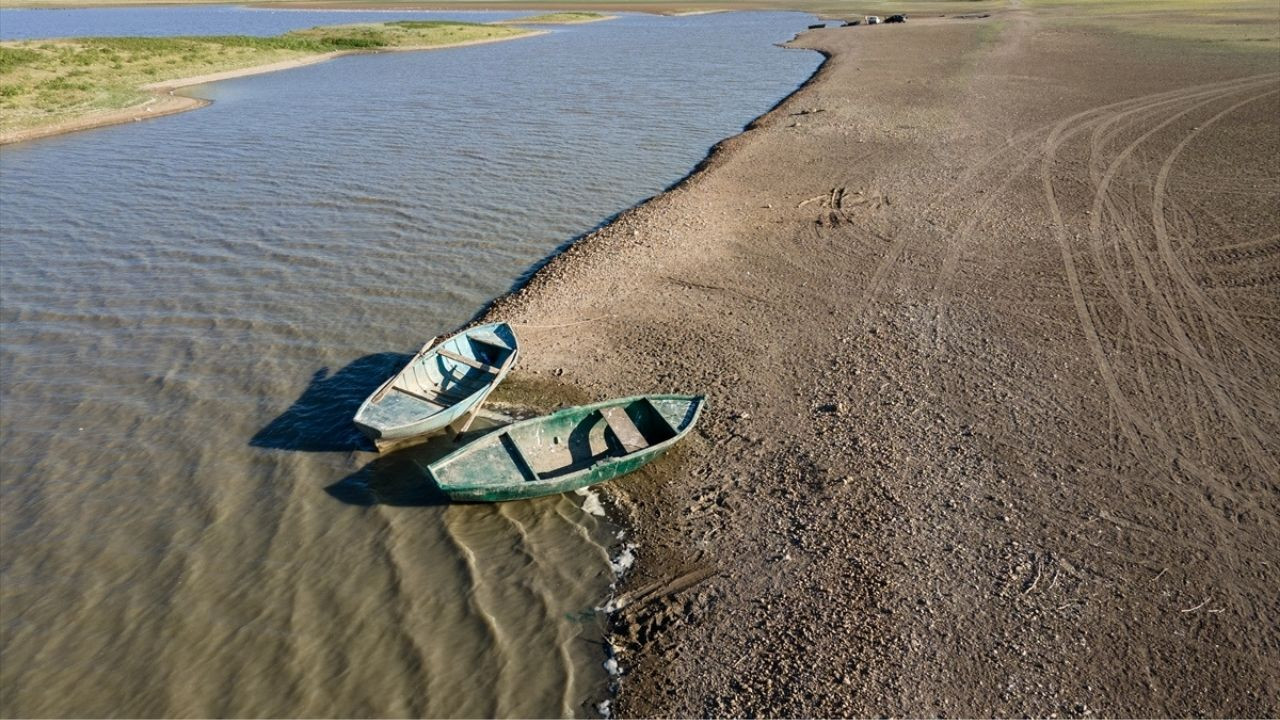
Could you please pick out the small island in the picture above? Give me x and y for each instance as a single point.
(558, 18)
(49, 87)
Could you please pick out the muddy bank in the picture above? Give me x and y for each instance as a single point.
(987, 315)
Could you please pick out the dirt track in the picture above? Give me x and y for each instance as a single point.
(988, 316)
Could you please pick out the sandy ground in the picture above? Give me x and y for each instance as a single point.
(165, 101)
(987, 316)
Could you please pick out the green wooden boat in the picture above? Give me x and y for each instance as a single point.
(442, 385)
(566, 450)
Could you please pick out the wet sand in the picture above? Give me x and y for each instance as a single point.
(987, 317)
(165, 101)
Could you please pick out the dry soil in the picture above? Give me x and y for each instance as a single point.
(988, 319)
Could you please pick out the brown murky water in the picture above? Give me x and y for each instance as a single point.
(191, 310)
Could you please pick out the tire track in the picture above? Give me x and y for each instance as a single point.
(1166, 307)
(1132, 423)
(1104, 207)
(1250, 433)
(1111, 113)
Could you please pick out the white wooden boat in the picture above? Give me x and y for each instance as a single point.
(442, 385)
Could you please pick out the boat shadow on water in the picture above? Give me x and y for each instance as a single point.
(399, 478)
(320, 419)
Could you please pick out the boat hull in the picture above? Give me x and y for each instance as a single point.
(568, 483)
(392, 437)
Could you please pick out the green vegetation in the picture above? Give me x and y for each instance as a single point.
(1239, 24)
(988, 33)
(557, 18)
(43, 82)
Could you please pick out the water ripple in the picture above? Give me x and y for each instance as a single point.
(193, 307)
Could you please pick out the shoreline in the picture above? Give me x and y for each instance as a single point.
(862, 539)
(165, 100)
(637, 585)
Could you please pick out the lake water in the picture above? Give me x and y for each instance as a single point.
(192, 307)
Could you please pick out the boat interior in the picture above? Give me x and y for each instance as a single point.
(456, 370)
(544, 453)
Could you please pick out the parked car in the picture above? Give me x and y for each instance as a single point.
(873, 19)
(853, 23)
(896, 18)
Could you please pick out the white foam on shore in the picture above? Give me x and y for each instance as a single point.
(620, 563)
(625, 559)
(591, 502)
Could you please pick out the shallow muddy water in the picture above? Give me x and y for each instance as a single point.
(192, 308)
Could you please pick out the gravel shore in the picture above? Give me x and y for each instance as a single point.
(988, 319)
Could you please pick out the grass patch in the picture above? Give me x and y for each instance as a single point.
(1238, 24)
(988, 33)
(13, 58)
(43, 82)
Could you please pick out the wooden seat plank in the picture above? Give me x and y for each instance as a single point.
(665, 421)
(437, 397)
(466, 361)
(489, 339)
(419, 396)
(626, 431)
(517, 457)
(455, 394)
